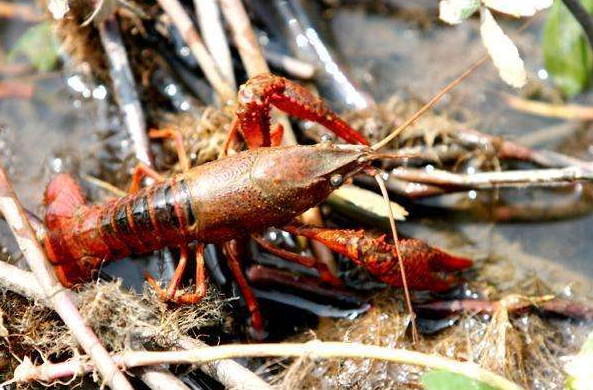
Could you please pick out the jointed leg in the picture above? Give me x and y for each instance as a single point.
(233, 256)
(310, 262)
(140, 172)
(170, 293)
(178, 141)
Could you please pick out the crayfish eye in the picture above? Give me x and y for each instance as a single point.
(327, 139)
(336, 180)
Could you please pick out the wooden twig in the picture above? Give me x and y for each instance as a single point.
(61, 299)
(190, 35)
(244, 36)
(291, 65)
(160, 378)
(506, 149)
(21, 11)
(124, 88)
(489, 180)
(312, 349)
(228, 372)
(22, 282)
(16, 90)
(563, 111)
(214, 37)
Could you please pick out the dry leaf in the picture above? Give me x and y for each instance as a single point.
(456, 11)
(369, 201)
(502, 50)
(518, 7)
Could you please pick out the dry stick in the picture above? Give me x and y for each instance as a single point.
(60, 298)
(211, 28)
(291, 65)
(511, 150)
(321, 350)
(312, 349)
(20, 281)
(245, 39)
(228, 372)
(160, 378)
(21, 11)
(563, 111)
(190, 35)
(255, 63)
(487, 180)
(124, 88)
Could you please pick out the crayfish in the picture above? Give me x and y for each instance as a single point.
(233, 197)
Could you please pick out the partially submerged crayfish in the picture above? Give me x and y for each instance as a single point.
(234, 197)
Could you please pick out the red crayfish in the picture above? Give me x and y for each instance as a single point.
(234, 197)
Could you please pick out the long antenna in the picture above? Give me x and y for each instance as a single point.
(400, 260)
(428, 105)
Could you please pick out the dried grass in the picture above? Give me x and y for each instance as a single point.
(525, 349)
(203, 136)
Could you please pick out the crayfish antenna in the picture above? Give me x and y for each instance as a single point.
(400, 260)
(428, 105)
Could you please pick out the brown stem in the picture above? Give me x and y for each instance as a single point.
(60, 299)
(21, 11)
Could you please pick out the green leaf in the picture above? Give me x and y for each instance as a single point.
(567, 54)
(38, 45)
(447, 380)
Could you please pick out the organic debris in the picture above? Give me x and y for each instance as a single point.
(121, 318)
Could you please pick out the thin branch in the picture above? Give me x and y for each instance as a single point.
(291, 65)
(16, 90)
(313, 350)
(506, 149)
(22, 282)
(489, 180)
(24, 12)
(245, 39)
(582, 16)
(211, 28)
(228, 372)
(61, 299)
(124, 88)
(160, 378)
(320, 350)
(563, 111)
(190, 35)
